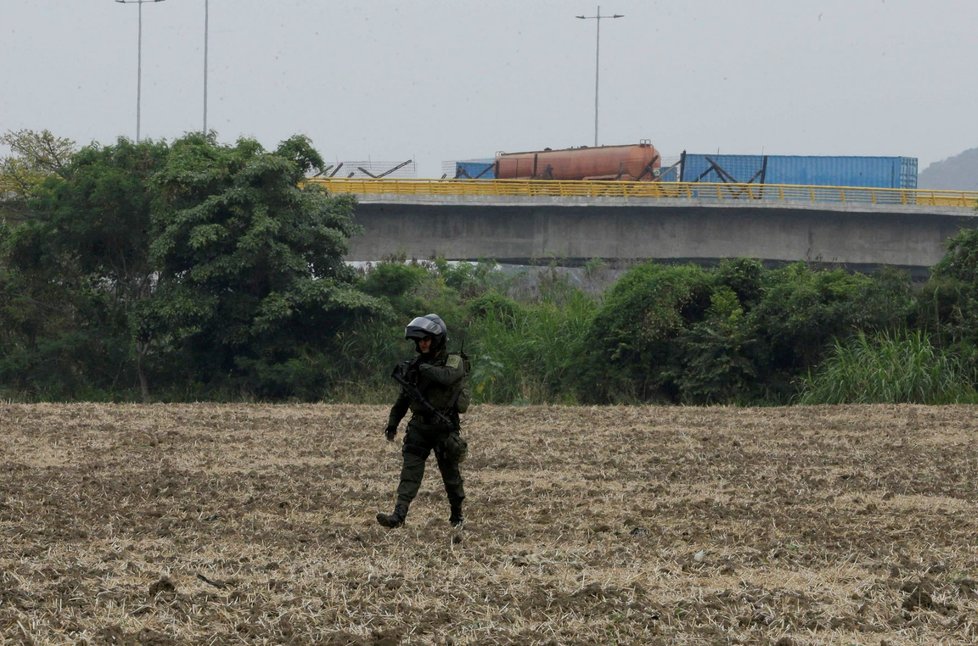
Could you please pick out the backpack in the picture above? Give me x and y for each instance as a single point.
(463, 395)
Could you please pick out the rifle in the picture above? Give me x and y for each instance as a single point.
(400, 375)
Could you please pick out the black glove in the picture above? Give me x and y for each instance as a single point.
(411, 373)
(390, 432)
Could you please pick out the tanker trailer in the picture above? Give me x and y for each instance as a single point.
(633, 162)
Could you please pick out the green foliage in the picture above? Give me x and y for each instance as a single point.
(719, 354)
(803, 310)
(398, 283)
(887, 300)
(631, 354)
(736, 334)
(496, 306)
(468, 280)
(361, 366)
(35, 153)
(35, 156)
(947, 308)
(717, 363)
(527, 353)
(744, 277)
(252, 284)
(948, 302)
(201, 269)
(304, 159)
(370, 349)
(196, 270)
(961, 260)
(76, 270)
(902, 367)
(99, 213)
(521, 351)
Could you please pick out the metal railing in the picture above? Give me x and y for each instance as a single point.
(674, 190)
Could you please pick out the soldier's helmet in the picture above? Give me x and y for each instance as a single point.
(428, 325)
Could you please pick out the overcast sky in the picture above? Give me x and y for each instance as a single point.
(455, 79)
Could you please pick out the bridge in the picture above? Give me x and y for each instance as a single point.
(525, 222)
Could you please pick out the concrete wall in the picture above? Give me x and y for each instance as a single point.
(521, 230)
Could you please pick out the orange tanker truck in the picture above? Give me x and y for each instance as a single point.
(634, 162)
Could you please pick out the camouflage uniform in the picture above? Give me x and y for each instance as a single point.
(437, 378)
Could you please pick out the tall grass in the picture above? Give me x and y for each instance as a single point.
(526, 355)
(902, 367)
(360, 370)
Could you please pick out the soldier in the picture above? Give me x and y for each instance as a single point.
(437, 377)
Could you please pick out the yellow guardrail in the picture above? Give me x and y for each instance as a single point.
(675, 190)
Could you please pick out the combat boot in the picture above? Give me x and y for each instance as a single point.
(456, 519)
(395, 519)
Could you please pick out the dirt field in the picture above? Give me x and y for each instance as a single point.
(217, 524)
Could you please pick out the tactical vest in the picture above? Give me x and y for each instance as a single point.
(448, 398)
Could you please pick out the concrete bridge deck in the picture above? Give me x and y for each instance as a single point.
(573, 230)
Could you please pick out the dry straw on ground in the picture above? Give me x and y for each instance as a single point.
(255, 524)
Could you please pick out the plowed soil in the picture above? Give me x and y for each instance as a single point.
(255, 524)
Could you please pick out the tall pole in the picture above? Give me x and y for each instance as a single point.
(206, 12)
(139, 60)
(597, 67)
(597, 60)
(139, 70)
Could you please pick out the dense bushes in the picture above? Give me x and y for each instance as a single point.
(947, 306)
(634, 351)
(735, 334)
(195, 270)
(522, 352)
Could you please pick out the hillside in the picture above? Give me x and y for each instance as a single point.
(959, 172)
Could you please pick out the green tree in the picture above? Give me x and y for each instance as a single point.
(78, 268)
(804, 310)
(948, 302)
(744, 277)
(631, 352)
(253, 296)
(398, 283)
(34, 157)
(718, 354)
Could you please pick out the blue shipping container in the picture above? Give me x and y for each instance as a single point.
(879, 172)
(475, 169)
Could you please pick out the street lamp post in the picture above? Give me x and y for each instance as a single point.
(597, 58)
(206, 15)
(139, 58)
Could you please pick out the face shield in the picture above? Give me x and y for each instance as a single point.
(421, 327)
